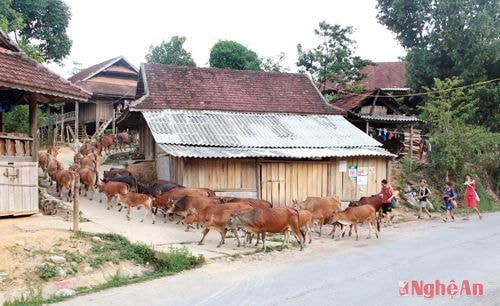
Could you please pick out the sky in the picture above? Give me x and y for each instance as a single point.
(103, 29)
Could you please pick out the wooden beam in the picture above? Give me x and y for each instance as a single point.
(33, 126)
(367, 127)
(374, 102)
(62, 123)
(76, 205)
(411, 142)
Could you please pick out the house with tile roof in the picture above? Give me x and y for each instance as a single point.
(112, 84)
(24, 81)
(251, 133)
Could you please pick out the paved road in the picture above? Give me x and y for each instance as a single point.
(344, 272)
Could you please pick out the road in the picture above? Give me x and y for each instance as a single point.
(345, 272)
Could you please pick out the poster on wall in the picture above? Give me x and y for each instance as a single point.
(352, 172)
(342, 165)
(362, 180)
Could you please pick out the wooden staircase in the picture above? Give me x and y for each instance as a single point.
(102, 128)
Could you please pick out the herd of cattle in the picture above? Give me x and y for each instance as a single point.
(200, 206)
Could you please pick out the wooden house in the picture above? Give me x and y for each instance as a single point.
(112, 84)
(24, 81)
(251, 133)
(379, 114)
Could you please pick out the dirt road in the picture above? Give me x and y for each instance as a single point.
(344, 272)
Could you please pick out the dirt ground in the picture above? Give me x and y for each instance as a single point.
(27, 241)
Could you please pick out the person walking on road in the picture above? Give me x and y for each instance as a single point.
(387, 194)
(423, 194)
(449, 199)
(471, 197)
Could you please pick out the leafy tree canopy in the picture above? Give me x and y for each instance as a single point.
(230, 54)
(332, 60)
(274, 64)
(449, 39)
(39, 27)
(171, 52)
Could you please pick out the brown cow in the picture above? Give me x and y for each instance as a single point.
(112, 190)
(112, 172)
(355, 215)
(43, 162)
(322, 208)
(53, 150)
(123, 139)
(88, 177)
(178, 192)
(216, 217)
(107, 142)
(78, 157)
(65, 179)
(186, 203)
(74, 167)
(269, 220)
(53, 166)
(257, 203)
(134, 199)
(305, 221)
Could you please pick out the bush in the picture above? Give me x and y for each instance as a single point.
(177, 259)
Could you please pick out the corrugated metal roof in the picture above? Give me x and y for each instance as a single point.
(389, 118)
(254, 130)
(295, 153)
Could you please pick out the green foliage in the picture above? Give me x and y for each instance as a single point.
(177, 259)
(274, 64)
(230, 54)
(457, 147)
(171, 53)
(32, 298)
(449, 38)
(332, 60)
(39, 27)
(17, 121)
(47, 271)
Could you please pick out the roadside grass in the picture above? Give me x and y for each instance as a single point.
(114, 248)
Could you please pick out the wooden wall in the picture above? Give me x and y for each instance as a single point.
(18, 188)
(147, 145)
(280, 181)
(95, 112)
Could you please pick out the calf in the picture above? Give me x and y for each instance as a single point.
(322, 208)
(269, 220)
(53, 151)
(107, 142)
(305, 221)
(216, 217)
(43, 163)
(88, 178)
(133, 199)
(355, 215)
(112, 190)
(53, 166)
(65, 179)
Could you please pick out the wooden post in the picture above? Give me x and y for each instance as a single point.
(411, 141)
(367, 127)
(33, 126)
(258, 179)
(2, 127)
(113, 126)
(62, 123)
(77, 108)
(76, 205)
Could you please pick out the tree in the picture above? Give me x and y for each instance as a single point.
(449, 38)
(332, 60)
(458, 147)
(229, 54)
(38, 26)
(171, 53)
(274, 64)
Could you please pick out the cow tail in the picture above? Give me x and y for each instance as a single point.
(96, 178)
(378, 220)
(298, 222)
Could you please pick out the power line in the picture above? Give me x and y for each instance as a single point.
(420, 93)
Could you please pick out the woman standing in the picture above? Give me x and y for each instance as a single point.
(387, 194)
(470, 200)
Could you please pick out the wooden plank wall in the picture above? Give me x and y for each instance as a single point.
(87, 112)
(147, 145)
(282, 182)
(104, 111)
(221, 175)
(20, 192)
